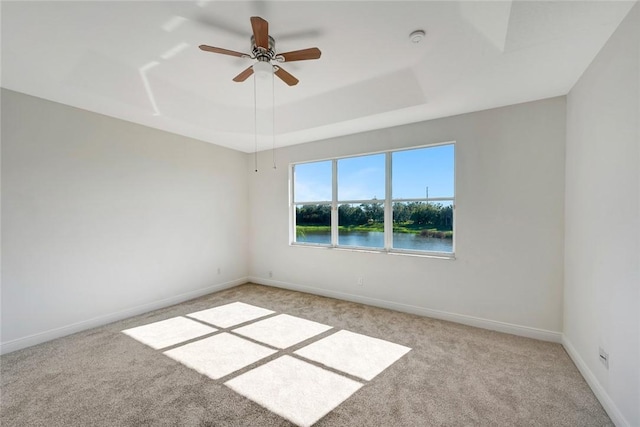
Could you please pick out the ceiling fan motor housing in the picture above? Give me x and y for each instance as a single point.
(262, 54)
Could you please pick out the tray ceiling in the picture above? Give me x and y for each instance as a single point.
(139, 61)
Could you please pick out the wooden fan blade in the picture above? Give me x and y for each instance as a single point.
(301, 55)
(243, 75)
(223, 51)
(286, 77)
(260, 31)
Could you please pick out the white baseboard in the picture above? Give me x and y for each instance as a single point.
(493, 325)
(607, 403)
(40, 337)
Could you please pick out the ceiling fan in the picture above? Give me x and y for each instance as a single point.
(263, 48)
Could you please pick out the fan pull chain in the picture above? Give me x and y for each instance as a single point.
(255, 123)
(273, 118)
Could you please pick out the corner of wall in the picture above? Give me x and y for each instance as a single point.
(601, 394)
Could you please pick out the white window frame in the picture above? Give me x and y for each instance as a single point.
(387, 201)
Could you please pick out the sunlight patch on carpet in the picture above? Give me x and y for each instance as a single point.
(219, 355)
(356, 354)
(295, 390)
(282, 331)
(168, 332)
(229, 315)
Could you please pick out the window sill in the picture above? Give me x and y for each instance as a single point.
(394, 252)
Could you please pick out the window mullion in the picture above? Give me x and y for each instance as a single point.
(388, 208)
(334, 203)
(292, 204)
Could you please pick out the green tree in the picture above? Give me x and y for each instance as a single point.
(374, 212)
(313, 215)
(401, 212)
(425, 214)
(351, 215)
(445, 217)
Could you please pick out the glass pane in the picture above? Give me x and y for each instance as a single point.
(423, 172)
(423, 226)
(361, 178)
(361, 225)
(313, 224)
(312, 182)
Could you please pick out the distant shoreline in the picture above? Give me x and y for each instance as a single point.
(377, 227)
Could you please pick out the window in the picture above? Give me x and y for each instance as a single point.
(361, 195)
(423, 181)
(397, 201)
(312, 195)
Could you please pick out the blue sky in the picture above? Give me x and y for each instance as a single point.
(363, 177)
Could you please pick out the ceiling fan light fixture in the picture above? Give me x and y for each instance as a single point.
(262, 69)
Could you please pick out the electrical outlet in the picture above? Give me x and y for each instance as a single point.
(604, 357)
(360, 281)
(270, 274)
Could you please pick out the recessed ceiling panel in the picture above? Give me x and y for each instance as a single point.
(139, 61)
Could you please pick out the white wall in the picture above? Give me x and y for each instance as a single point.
(602, 241)
(508, 270)
(102, 219)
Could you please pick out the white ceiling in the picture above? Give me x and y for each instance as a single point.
(115, 58)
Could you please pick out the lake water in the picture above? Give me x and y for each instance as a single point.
(375, 239)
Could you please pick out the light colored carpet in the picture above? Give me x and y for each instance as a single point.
(292, 388)
(282, 331)
(355, 354)
(168, 332)
(228, 315)
(296, 390)
(219, 355)
(454, 375)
